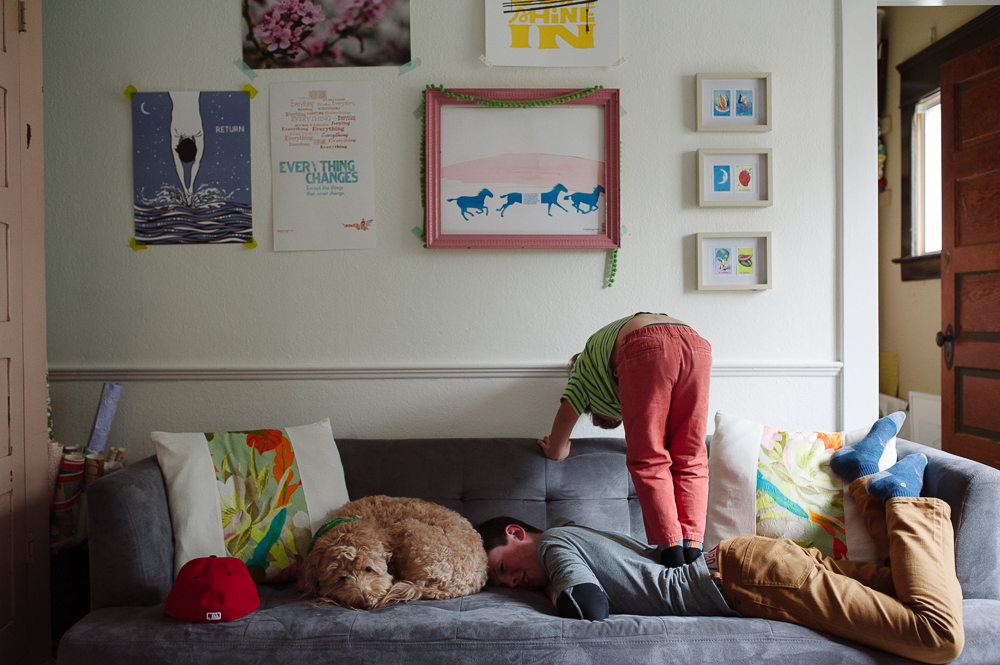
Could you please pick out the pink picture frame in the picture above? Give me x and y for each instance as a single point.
(541, 177)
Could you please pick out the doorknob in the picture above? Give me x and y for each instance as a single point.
(947, 339)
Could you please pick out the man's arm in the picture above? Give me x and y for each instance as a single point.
(556, 445)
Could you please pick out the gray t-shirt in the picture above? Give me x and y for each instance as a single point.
(629, 573)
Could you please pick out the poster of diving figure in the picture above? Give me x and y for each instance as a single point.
(522, 171)
(191, 167)
(322, 165)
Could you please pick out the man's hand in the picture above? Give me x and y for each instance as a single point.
(553, 449)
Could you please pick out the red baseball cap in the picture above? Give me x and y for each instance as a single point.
(212, 589)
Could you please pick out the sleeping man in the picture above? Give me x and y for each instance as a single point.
(911, 606)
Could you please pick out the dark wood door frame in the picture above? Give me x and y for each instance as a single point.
(920, 76)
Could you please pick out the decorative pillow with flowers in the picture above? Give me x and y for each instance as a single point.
(256, 495)
(778, 484)
(798, 496)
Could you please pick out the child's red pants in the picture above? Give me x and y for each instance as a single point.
(663, 378)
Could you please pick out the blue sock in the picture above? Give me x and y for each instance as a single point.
(861, 459)
(904, 478)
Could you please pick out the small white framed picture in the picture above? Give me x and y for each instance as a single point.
(734, 261)
(733, 102)
(734, 177)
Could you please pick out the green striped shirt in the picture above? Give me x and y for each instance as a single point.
(590, 382)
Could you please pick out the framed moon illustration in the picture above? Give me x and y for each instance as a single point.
(735, 177)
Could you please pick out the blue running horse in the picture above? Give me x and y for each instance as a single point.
(579, 198)
(512, 198)
(476, 203)
(552, 198)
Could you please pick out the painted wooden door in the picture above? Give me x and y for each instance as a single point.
(970, 255)
(24, 495)
(12, 498)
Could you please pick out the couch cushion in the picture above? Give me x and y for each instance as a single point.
(484, 478)
(495, 626)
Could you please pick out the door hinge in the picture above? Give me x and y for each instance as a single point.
(31, 548)
(22, 26)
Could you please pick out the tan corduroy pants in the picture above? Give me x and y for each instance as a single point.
(911, 607)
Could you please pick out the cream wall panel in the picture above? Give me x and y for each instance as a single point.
(400, 303)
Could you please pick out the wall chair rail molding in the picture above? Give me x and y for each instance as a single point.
(402, 372)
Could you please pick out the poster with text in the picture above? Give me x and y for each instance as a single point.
(281, 34)
(191, 167)
(552, 33)
(322, 167)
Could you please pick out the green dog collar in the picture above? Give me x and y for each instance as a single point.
(327, 526)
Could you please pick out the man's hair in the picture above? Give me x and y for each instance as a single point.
(494, 531)
(599, 421)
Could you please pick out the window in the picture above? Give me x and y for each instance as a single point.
(920, 144)
(926, 176)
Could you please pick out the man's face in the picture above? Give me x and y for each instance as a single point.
(516, 564)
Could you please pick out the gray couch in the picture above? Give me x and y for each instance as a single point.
(131, 555)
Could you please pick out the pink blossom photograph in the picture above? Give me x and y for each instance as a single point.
(280, 34)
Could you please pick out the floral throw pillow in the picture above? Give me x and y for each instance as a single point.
(777, 483)
(265, 519)
(798, 496)
(256, 495)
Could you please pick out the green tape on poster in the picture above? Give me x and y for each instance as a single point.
(410, 66)
(245, 68)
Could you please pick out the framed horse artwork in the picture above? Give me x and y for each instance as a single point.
(518, 168)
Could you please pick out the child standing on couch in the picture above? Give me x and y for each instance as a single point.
(650, 372)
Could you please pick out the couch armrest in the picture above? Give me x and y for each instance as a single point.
(973, 492)
(131, 540)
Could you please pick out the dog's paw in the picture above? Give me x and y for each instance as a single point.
(400, 592)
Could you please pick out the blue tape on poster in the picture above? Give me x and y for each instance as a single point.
(410, 66)
(105, 414)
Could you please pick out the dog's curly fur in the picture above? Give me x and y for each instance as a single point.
(400, 550)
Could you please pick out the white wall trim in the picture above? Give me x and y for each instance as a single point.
(858, 213)
(522, 371)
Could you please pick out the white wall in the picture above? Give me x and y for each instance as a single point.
(407, 312)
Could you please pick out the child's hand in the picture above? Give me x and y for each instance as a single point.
(554, 450)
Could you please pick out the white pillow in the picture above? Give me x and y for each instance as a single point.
(257, 495)
(741, 502)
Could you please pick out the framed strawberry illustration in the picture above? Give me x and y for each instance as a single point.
(735, 177)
